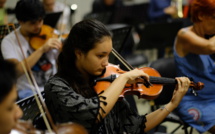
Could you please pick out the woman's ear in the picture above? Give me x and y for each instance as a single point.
(78, 53)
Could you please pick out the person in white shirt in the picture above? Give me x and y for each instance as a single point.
(42, 61)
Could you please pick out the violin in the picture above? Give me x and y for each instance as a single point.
(142, 88)
(26, 127)
(139, 89)
(47, 32)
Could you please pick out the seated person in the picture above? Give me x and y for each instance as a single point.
(52, 6)
(71, 96)
(106, 5)
(3, 13)
(194, 55)
(9, 110)
(41, 61)
(161, 10)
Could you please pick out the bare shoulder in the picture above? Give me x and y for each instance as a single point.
(186, 34)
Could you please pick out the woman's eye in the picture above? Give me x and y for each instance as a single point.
(10, 108)
(100, 56)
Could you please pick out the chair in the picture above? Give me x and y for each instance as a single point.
(166, 68)
(31, 111)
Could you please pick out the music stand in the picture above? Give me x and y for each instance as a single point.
(131, 14)
(51, 19)
(120, 35)
(31, 111)
(159, 35)
(29, 107)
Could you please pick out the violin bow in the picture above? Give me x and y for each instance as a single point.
(128, 66)
(41, 105)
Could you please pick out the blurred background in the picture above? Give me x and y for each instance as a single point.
(141, 38)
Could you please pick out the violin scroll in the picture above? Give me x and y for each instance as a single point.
(197, 86)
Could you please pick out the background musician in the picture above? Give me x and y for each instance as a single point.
(194, 56)
(30, 14)
(161, 10)
(9, 110)
(3, 13)
(52, 6)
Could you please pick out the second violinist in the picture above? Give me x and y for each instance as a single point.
(42, 61)
(70, 94)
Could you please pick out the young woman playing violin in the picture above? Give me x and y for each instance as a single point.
(70, 94)
(42, 61)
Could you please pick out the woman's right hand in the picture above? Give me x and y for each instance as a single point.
(134, 74)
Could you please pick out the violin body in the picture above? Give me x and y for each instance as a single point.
(26, 127)
(138, 89)
(71, 128)
(47, 32)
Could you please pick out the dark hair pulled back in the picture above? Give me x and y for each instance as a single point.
(83, 36)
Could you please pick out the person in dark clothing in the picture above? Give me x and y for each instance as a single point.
(70, 94)
(106, 5)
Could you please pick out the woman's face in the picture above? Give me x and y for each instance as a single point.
(10, 112)
(95, 61)
(208, 25)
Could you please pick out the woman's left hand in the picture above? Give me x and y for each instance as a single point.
(180, 90)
